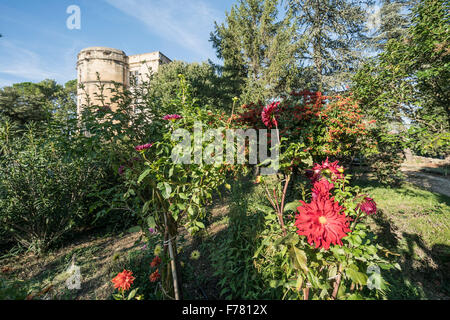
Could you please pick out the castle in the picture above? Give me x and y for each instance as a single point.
(113, 66)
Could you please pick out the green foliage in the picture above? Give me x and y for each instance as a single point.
(330, 35)
(208, 88)
(393, 22)
(43, 193)
(409, 80)
(12, 290)
(40, 102)
(257, 50)
(232, 259)
(388, 156)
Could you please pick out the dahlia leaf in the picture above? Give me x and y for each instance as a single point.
(355, 296)
(301, 258)
(299, 282)
(134, 229)
(356, 276)
(143, 175)
(291, 206)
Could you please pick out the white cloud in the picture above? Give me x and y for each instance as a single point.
(22, 63)
(187, 23)
(19, 64)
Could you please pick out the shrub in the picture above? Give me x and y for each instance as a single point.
(43, 193)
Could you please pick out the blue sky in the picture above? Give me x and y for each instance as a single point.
(37, 44)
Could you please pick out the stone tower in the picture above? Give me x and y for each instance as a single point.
(113, 66)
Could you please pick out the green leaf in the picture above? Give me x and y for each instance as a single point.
(165, 188)
(300, 258)
(132, 293)
(200, 224)
(151, 223)
(292, 206)
(299, 283)
(145, 207)
(358, 277)
(355, 296)
(183, 196)
(264, 208)
(143, 175)
(134, 229)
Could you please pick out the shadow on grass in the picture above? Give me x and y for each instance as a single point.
(424, 276)
(442, 170)
(403, 189)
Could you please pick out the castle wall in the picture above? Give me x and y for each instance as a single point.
(112, 65)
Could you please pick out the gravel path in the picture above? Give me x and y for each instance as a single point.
(431, 182)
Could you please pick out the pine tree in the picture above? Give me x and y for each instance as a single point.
(331, 34)
(390, 21)
(257, 50)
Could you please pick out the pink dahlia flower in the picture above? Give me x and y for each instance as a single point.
(143, 147)
(368, 206)
(268, 114)
(172, 117)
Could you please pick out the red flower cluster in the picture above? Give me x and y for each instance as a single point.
(143, 147)
(155, 262)
(368, 206)
(268, 114)
(155, 276)
(321, 221)
(123, 280)
(329, 125)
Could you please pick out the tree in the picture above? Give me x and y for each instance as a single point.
(409, 79)
(391, 21)
(259, 57)
(331, 34)
(24, 102)
(205, 84)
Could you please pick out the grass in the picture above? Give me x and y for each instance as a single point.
(415, 225)
(43, 277)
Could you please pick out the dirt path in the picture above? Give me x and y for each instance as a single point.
(430, 182)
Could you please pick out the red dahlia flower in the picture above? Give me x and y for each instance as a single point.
(321, 189)
(155, 276)
(172, 117)
(321, 222)
(333, 169)
(123, 280)
(155, 262)
(368, 206)
(268, 114)
(143, 147)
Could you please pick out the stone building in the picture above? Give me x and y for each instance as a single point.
(113, 66)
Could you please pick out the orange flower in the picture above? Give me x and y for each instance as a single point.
(155, 276)
(123, 280)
